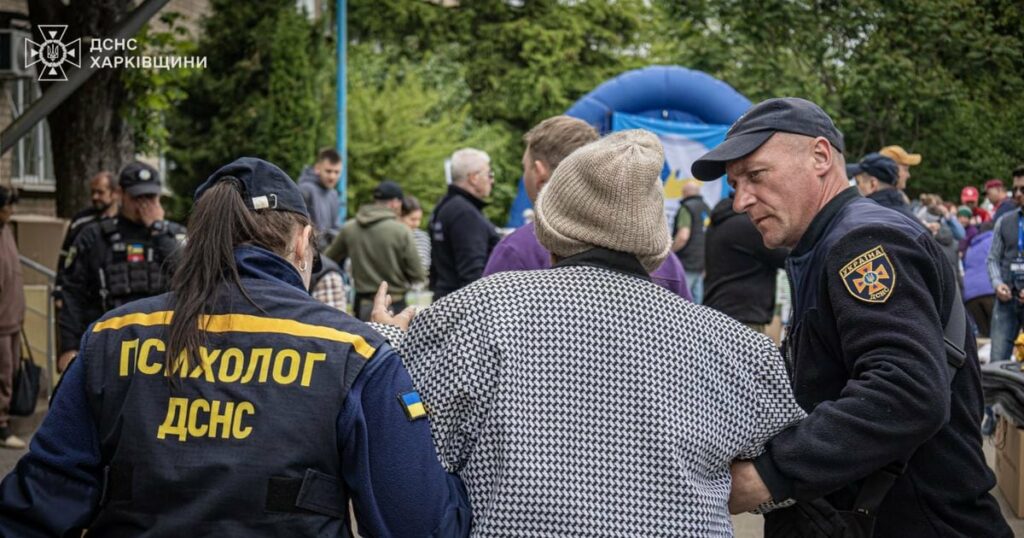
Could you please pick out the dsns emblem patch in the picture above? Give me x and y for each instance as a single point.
(870, 277)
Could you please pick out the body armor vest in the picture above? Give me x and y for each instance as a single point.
(133, 269)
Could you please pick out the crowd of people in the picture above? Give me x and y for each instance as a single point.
(599, 371)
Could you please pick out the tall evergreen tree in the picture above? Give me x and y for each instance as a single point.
(261, 94)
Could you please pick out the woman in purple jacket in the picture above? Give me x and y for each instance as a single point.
(978, 292)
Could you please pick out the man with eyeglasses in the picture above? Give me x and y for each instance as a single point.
(1006, 270)
(461, 237)
(119, 259)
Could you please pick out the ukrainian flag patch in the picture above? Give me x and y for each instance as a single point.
(412, 405)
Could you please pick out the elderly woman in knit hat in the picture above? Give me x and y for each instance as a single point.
(584, 399)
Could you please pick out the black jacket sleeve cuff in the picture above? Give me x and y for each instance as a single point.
(778, 484)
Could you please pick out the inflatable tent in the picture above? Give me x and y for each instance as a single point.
(689, 110)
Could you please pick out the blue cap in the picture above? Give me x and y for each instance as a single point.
(761, 122)
(880, 167)
(264, 185)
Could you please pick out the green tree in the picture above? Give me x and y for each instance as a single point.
(939, 77)
(405, 119)
(116, 113)
(261, 94)
(517, 62)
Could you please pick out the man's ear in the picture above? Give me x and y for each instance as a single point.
(823, 154)
(302, 242)
(541, 171)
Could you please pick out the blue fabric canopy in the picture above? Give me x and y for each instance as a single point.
(671, 93)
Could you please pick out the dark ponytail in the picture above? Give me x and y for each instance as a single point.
(220, 221)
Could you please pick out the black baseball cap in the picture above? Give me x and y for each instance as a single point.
(757, 125)
(881, 167)
(264, 186)
(139, 179)
(387, 190)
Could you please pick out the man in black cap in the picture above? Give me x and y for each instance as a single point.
(878, 349)
(119, 259)
(382, 249)
(877, 176)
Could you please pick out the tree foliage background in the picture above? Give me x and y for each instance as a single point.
(939, 77)
(263, 94)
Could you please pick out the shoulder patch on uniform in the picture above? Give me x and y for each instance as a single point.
(412, 405)
(870, 277)
(70, 258)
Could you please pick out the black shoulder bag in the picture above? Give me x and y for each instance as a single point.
(25, 386)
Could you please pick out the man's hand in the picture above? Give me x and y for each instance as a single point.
(748, 490)
(1003, 292)
(933, 227)
(64, 359)
(150, 211)
(382, 310)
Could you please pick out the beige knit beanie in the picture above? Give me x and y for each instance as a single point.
(607, 194)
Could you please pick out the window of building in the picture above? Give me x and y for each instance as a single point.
(31, 158)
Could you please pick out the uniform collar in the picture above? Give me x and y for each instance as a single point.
(604, 258)
(888, 195)
(260, 263)
(459, 191)
(823, 220)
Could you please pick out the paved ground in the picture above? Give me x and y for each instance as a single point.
(747, 525)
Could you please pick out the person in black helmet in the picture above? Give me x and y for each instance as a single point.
(236, 404)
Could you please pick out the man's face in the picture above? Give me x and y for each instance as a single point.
(901, 182)
(778, 186)
(328, 172)
(1018, 191)
(6, 212)
(535, 175)
(482, 181)
(971, 204)
(132, 206)
(101, 193)
(866, 184)
(996, 194)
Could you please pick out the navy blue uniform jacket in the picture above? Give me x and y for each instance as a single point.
(387, 463)
(872, 293)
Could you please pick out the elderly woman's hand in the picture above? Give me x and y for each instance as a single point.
(382, 310)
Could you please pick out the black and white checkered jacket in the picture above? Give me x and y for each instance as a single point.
(584, 400)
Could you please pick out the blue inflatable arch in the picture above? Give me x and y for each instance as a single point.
(665, 92)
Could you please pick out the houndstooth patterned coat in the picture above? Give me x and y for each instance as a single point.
(581, 401)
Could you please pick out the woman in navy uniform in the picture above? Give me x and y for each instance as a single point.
(236, 405)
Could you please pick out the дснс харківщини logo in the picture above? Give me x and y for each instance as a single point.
(53, 52)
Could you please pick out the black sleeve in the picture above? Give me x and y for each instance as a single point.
(470, 238)
(81, 287)
(899, 386)
(167, 245)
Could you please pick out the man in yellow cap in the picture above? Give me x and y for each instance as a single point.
(904, 160)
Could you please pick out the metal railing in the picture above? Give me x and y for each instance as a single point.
(47, 315)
